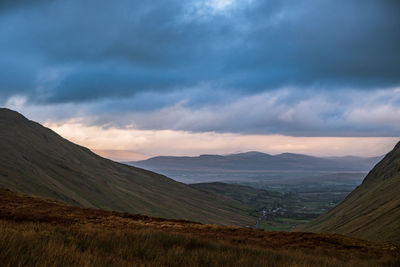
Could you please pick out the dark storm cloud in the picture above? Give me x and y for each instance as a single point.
(94, 44)
(6, 5)
(348, 43)
(168, 44)
(135, 56)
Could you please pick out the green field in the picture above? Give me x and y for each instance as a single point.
(273, 209)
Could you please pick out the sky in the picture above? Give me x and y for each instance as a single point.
(134, 79)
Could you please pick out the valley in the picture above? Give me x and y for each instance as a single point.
(35, 160)
(282, 192)
(122, 214)
(200, 133)
(274, 209)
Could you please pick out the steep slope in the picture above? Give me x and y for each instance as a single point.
(372, 211)
(35, 160)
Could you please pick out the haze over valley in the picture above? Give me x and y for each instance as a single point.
(292, 188)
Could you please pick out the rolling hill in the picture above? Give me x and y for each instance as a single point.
(372, 210)
(36, 160)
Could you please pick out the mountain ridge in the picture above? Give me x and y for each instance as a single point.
(254, 160)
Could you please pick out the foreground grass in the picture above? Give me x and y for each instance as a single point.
(38, 244)
(36, 232)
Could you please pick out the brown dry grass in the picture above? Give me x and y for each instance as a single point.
(34, 232)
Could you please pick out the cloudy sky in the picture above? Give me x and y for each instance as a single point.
(132, 79)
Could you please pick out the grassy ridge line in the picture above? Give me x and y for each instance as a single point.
(36, 160)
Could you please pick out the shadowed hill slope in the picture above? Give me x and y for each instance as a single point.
(372, 210)
(35, 160)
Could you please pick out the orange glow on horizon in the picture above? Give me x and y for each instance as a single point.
(133, 144)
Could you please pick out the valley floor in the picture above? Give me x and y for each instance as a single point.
(35, 232)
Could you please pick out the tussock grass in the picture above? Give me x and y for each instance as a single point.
(36, 232)
(40, 244)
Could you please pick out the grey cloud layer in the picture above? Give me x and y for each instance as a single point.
(343, 113)
(118, 48)
(186, 58)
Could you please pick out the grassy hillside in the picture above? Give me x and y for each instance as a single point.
(35, 232)
(372, 211)
(35, 160)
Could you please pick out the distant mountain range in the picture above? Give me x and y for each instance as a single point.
(258, 161)
(372, 211)
(36, 160)
(207, 168)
